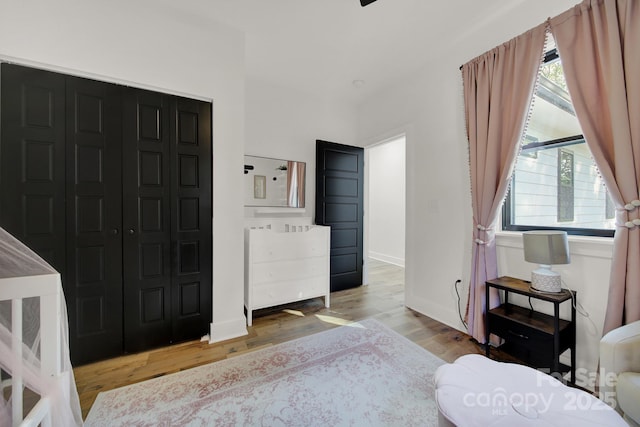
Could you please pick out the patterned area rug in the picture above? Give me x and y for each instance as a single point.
(360, 374)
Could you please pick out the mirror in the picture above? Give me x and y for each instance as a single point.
(274, 182)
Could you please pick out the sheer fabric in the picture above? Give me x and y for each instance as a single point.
(498, 89)
(295, 184)
(599, 43)
(18, 261)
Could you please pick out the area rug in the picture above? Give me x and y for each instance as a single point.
(362, 374)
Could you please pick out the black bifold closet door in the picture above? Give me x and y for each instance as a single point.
(112, 186)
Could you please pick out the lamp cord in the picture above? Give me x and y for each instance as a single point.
(580, 309)
(574, 303)
(455, 285)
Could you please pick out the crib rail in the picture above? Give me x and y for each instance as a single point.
(47, 288)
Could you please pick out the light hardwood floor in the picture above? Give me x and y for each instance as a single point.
(382, 299)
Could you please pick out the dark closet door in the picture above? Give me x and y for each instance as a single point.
(167, 219)
(93, 283)
(32, 160)
(112, 186)
(146, 214)
(191, 217)
(339, 204)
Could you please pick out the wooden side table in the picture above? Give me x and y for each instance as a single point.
(536, 338)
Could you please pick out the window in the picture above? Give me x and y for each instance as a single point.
(555, 183)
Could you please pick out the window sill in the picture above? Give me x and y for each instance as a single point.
(591, 246)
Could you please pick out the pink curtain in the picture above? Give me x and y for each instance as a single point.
(599, 45)
(291, 183)
(301, 166)
(498, 88)
(296, 184)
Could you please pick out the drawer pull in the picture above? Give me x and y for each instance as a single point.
(524, 337)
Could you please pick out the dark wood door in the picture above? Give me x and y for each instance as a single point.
(191, 217)
(93, 283)
(32, 160)
(112, 186)
(339, 204)
(166, 219)
(146, 203)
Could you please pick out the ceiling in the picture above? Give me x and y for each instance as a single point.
(322, 46)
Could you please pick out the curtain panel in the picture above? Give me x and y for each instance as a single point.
(498, 90)
(300, 169)
(599, 45)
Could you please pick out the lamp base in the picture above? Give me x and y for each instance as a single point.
(545, 280)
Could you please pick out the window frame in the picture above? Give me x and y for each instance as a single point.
(508, 208)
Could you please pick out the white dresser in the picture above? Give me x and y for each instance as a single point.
(287, 266)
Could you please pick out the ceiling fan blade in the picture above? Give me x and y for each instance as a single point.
(366, 2)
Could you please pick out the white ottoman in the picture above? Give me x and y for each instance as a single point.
(478, 391)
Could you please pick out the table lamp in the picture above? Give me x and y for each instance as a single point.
(546, 247)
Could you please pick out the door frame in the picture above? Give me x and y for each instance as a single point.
(100, 77)
(368, 144)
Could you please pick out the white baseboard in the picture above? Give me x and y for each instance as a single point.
(227, 330)
(387, 258)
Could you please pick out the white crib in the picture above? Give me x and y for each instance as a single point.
(34, 350)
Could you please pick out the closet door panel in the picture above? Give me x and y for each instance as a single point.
(32, 160)
(112, 186)
(146, 219)
(93, 283)
(191, 218)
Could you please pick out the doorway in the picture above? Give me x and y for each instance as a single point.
(385, 203)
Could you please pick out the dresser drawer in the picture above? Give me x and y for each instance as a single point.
(288, 247)
(272, 294)
(519, 334)
(282, 271)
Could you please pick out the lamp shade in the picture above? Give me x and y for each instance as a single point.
(546, 247)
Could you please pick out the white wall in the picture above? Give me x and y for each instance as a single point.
(427, 110)
(386, 201)
(438, 247)
(159, 48)
(284, 123)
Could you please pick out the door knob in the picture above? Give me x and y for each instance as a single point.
(114, 231)
(131, 231)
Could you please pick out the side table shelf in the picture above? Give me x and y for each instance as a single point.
(536, 338)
